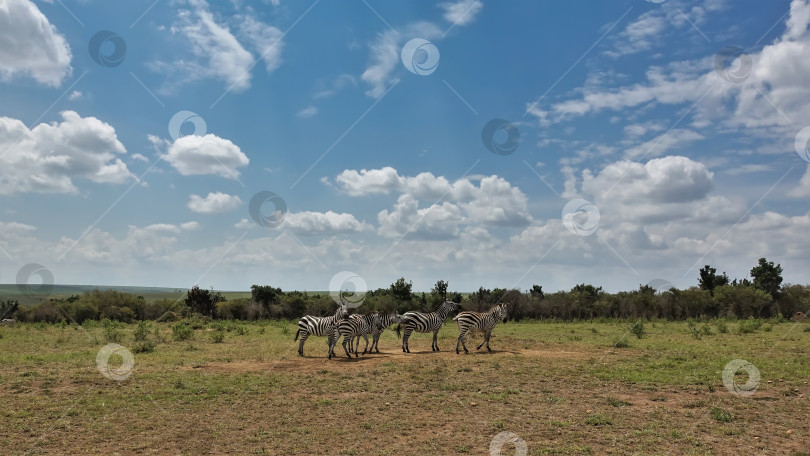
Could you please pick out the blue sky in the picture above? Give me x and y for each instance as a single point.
(675, 127)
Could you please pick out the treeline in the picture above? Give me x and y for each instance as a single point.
(715, 295)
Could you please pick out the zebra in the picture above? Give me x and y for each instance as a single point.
(320, 326)
(475, 320)
(355, 325)
(8, 322)
(381, 321)
(424, 323)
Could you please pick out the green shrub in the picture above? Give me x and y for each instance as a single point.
(748, 326)
(721, 415)
(141, 331)
(638, 329)
(112, 334)
(145, 346)
(721, 326)
(692, 327)
(621, 343)
(217, 337)
(182, 331)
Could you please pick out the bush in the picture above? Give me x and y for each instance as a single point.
(621, 343)
(182, 331)
(111, 331)
(748, 326)
(638, 329)
(145, 346)
(142, 331)
(721, 326)
(693, 330)
(217, 337)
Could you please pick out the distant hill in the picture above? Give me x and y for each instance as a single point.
(11, 291)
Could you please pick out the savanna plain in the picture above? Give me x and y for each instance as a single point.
(589, 387)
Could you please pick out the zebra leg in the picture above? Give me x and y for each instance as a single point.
(375, 340)
(358, 346)
(405, 337)
(435, 345)
(347, 339)
(304, 336)
(487, 339)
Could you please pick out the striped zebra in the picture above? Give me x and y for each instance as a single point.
(425, 323)
(470, 321)
(381, 321)
(320, 326)
(355, 325)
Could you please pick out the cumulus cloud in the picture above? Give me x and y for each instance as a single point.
(803, 189)
(494, 201)
(312, 223)
(209, 154)
(46, 158)
(31, 46)
(214, 203)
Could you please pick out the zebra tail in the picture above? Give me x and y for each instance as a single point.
(297, 333)
(398, 329)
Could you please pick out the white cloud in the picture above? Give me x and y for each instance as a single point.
(245, 224)
(437, 222)
(462, 12)
(214, 203)
(139, 157)
(189, 226)
(777, 79)
(307, 112)
(30, 45)
(385, 54)
(48, 157)
(312, 223)
(209, 154)
(217, 52)
(803, 189)
(265, 39)
(663, 143)
(494, 201)
(75, 95)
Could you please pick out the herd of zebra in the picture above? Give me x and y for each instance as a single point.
(374, 323)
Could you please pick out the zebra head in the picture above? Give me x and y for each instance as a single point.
(342, 312)
(502, 311)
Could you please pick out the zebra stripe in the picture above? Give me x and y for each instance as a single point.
(319, 326)
(381, 321)
(426, 322)
(355, 325)
(469, 321)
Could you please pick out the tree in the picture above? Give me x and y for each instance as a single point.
(440, 289)
(7, 308)
(767, 277)
(709, 280)
(536, 291)
(265, 295)
(401, 290)
(201, 301)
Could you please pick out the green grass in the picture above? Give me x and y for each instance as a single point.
(251, 393)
